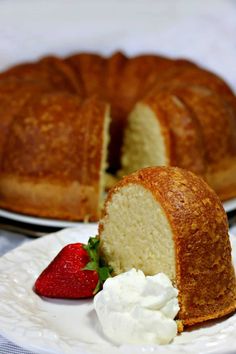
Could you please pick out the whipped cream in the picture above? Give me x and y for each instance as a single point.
(138, 309)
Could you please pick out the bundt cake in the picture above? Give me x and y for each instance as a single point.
(163, 112)
(166, 219)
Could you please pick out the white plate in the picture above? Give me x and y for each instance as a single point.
(27, 219)
(228, 206)
(71, 327)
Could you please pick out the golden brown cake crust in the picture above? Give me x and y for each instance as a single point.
(217, 119)
(51, 70)
(185, 135)
(209, 108)
(50, 198)
(186, 75)
(205, 276)
(47, 147)
(14, 94)
(90, 73)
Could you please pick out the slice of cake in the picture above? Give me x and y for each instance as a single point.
(165, 219)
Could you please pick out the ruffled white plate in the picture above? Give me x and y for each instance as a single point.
(71, 326)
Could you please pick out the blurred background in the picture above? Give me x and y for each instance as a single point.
(202, 30)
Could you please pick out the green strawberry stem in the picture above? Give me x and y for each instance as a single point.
(96, 262)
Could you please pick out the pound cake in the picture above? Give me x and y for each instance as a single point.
(166, 219)
(163, 112)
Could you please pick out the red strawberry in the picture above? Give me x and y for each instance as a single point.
(76, 272)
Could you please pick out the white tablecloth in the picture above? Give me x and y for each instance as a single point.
(8, 241)
(7, 347)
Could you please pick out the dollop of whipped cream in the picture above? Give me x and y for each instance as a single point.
(137, 309)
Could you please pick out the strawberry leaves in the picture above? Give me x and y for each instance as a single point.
(96, 263)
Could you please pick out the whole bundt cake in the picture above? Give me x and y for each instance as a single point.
(166, 219)
(163, 112)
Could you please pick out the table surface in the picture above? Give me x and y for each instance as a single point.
(9, 241)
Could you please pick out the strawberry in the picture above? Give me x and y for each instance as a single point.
(76, 272)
